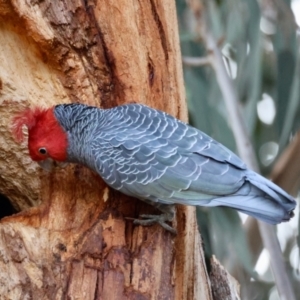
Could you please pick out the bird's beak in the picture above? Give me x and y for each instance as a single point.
(48, 164)
(60, 164)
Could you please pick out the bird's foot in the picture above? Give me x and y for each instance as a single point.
(156, 219)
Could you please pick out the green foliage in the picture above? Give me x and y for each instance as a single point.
(225, 229)
(261, 51)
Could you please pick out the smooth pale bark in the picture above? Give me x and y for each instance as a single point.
(71, 240)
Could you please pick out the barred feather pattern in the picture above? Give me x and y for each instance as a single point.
(150, 155)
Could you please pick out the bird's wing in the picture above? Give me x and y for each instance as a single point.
(149, 154)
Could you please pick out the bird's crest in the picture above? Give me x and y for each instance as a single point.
(29, 118)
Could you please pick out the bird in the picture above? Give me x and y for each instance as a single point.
(150, 155)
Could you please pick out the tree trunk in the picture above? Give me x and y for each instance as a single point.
(71, 239)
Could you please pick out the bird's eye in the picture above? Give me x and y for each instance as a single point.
(43, 150)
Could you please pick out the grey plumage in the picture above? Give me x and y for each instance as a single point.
(150, 155)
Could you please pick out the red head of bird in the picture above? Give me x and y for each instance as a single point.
(46, 137)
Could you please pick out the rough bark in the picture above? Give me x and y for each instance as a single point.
(71, 240)
(224, 286)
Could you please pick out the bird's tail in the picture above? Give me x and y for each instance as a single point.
(260, 198)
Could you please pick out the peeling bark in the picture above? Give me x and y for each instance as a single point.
(71, 239)
(224, 286)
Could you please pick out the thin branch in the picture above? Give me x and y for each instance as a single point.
(196, 61)
(238, 126)
(246, 152)
(286, 172)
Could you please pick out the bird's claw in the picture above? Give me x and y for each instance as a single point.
(155, 219)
